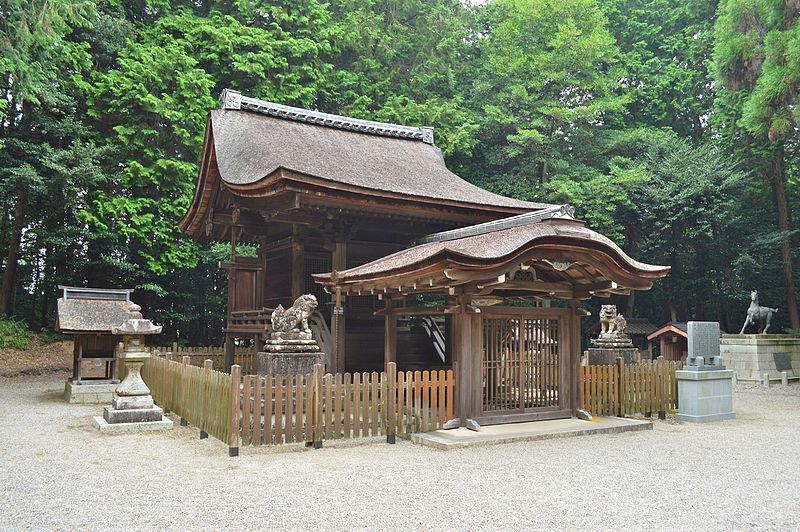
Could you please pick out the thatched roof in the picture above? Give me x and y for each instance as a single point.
(252, 142)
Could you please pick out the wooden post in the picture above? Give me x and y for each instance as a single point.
(233, 437)
(338, 332)
(661, 387)
(186, 361)
(208, 365)
(390, 335)
(298, 266)
(618, 392)
(574, 357)
(317, 412)
(230, 348)
(391, 401)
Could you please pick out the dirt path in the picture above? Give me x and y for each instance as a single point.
(59, 473)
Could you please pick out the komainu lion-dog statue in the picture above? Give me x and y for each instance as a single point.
(294, 318)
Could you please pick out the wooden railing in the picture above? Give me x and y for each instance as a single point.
(199, 395)
(624, 389)
(243, 356)
(316, 407)
(312, 408)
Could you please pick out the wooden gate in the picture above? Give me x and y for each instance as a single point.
(523, 367)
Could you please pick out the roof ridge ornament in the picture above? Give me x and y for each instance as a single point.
(565, 211)
(233, 100)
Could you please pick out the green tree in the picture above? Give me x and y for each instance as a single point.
(757, 61)
(545, 88)
(666, 48)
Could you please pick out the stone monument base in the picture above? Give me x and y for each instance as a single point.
(286, 363)
(705, 396)
(753, 355)
(89, 393)
(132, 413)
(600, 355)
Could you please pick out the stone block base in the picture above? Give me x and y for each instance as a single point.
(705, 396)
(88, 393)
(132, 415)
(609, 356)
(286, 363)
(104, 426)
(753, 355)
(705, 419)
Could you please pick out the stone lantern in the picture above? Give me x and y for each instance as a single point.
(133, 407)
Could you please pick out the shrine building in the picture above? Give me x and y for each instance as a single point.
(410, 263)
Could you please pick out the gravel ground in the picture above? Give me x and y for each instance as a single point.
(57, 472)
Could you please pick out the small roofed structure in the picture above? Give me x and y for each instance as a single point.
(513, 363)
(673, 340)
(89, 315)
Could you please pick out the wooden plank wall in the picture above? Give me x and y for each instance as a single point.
(625, 389)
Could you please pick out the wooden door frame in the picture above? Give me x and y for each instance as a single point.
(567, 361)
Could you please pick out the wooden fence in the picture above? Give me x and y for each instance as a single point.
(273, 410)
(199, 395)
(313, 407)
(243, 356)
(624, 389)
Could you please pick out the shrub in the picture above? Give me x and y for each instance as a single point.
(14, 334)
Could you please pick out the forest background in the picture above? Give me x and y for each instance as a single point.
(672, 126)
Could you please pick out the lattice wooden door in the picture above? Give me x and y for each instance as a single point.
(521, 363)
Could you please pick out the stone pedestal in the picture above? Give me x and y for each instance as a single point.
(705, 395)
(133, 407)
(599, 355)
(288, 353)
(753, 355)
(88, 393)
(286, 363)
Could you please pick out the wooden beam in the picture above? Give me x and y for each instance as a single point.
(417, 311)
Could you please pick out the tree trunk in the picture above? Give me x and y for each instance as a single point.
(782, 207)
(7, 293)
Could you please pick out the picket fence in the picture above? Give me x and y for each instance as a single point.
(625, 389)
(315, 407)
(311, 408)
(243, 356)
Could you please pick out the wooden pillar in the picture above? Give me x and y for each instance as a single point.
(298, 263)
(230, 348)
(574, 343)
(467, 349)
(338, 330)
(390, 334)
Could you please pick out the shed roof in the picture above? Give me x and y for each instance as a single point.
(672, 328)
(93, 309)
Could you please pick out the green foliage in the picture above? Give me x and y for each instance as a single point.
(605, 104)
(546, 85)
(665, 46)
(758, 51)
(14, 335)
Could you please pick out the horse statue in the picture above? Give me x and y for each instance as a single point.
(757, 313)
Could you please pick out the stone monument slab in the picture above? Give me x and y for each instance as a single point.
(703, 346)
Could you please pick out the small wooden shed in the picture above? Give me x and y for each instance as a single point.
(674, 340)
(88, 315)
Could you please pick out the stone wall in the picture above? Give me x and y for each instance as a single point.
(752, 355)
